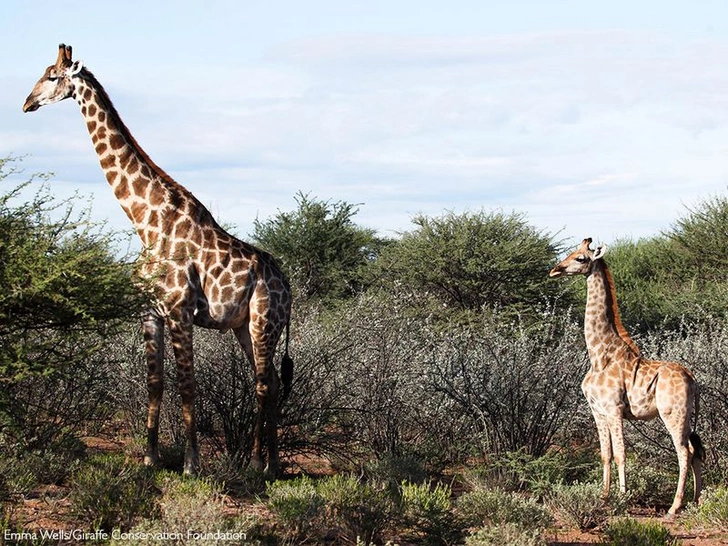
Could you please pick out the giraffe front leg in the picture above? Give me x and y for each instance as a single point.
(153, 331)
(181, 334)
(616, 428)
(605, 449)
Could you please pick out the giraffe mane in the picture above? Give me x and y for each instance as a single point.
(612, 294)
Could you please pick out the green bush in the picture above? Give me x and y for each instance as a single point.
(519, 471)
(322, 251)
(109, 492)
(583, 505)
(713, 508)
(357, 509)
(464, 263)
(630, 532)
(65, 290)
(298, 505)
(503, 534)
(243, 481)
(494, 506)
(427, 510)
(395, 469)
(650, 485)
(191, 511)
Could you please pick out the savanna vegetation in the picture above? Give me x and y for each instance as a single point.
(436, 396)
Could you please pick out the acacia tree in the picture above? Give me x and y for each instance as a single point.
(676, 277)
(64, 292)
(473, 261)
(321, 249)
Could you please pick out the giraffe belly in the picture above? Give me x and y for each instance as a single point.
(219, 316)
(640, 408)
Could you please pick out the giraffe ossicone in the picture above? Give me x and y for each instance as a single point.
(201, 275)
(622, 384)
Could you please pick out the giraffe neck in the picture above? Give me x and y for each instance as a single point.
(603, 330)
(148, 195)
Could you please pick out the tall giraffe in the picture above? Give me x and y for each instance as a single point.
(200, 274)
(621, 384)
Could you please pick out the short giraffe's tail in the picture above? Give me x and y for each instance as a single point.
(697, 446)
(286, 367)
(695, 442)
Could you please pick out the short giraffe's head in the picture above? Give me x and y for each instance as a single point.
(55, 84)
(580, 261)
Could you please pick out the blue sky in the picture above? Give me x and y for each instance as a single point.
(592, 118)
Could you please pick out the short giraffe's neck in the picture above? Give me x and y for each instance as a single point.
(605, 335)
(147, 194)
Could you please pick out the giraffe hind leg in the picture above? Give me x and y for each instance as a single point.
(680, 433)
(266, 422)
(255, 357)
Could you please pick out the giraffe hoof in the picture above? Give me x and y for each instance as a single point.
(151, 460)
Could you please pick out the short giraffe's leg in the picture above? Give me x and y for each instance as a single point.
(616, 428)
(153, 331)
(181, 334)
(605, 448)
(679, 428)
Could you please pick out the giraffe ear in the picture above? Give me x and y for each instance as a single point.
(75, 68)
(599, 252)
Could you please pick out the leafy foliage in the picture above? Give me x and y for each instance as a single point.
(344, 505)
(190, 510)
(657, 286)
(64, 292)
(427, 509)
(109, 493)
(493, 506)
(703, 234)
(321, 249)
(630, 532)
(471, 261)
(358, 509)
(505, 533)
(299, 506)
(713, 508)
(583, 505)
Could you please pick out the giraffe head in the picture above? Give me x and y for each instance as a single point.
(580, 261)
(56, 83)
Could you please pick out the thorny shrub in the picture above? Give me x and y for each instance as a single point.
(583, 506)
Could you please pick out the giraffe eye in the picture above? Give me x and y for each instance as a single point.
(581, 259)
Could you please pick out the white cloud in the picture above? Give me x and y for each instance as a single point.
(608, 131)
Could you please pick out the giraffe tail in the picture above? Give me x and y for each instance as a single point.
(286, 367)
(696, 444)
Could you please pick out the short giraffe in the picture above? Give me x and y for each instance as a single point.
(621, 384)
(201, 274)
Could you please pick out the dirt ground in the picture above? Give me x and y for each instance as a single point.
(48, 507)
